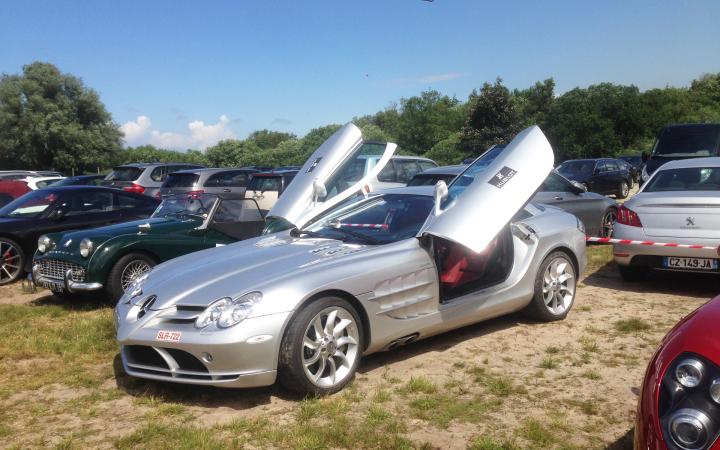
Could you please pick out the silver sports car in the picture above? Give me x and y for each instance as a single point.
(356, 274)
(679, 204)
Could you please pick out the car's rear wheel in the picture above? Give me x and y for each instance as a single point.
(12, 261)
(608, 222)
(322, 347)
(623, 190)
(555, 284)
(633, 273)
(126, 270)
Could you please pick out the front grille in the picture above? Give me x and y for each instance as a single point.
(154, 361)
(56, 269)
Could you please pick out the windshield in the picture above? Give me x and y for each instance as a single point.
(31, 204)
(687, 142)
(176, 180)
(686, 179)
(376, 220)
(186, 205)
(429, 180)
(125, 174)
(634, 160)
(582, 168)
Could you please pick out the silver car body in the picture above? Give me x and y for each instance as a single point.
(672, 216)
(395, 286)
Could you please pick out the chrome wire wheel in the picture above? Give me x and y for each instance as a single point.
(608, 223)
(624, 189)
(10, 262)
(559, 285)
(132, 272)
(330, 347)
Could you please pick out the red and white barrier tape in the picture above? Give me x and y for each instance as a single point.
(648, 243)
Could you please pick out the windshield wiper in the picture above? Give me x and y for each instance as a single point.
(362, 237)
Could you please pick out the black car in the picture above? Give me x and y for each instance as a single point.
(54, 209)
(605, 176)
(636, 163)
(80, 180)
(681, 141)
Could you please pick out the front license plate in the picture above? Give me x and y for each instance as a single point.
(56, 286)
(690, 263)
(168, 336)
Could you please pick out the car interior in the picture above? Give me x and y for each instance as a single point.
(239, 219)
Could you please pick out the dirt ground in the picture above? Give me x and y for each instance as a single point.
(505, 383)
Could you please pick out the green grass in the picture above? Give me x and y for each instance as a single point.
(552, 350)
(598, 256)
(548, 363)
(592, 375)
(419, 385)
(538, 434)
(486, 443)
(632, 325)
(441, 409)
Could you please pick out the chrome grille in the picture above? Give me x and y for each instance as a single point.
(56, 269)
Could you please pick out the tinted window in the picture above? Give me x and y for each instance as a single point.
(429, 180)
(687, 141)
(177, 180)
(688, 179)
(125, 174)
(611, 165)
(159, 173)
(425, 165)
(91, 202)
(556, 183)
(406, 169)
(31, 204)
(388, 173)
(575, 168)
(127, 202)
(265, 184)
(230, 178)
(600, 167)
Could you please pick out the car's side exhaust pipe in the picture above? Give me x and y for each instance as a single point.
(403, 341)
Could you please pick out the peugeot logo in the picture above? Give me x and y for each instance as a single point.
(145, 307)
(690, 221)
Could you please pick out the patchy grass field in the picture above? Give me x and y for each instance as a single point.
(504, 384)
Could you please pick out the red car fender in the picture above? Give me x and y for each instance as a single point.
(699, 332)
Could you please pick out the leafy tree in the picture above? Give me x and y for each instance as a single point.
(50, 119)
(448, 151)
(266, 139)
(533, 104)
(427, 119)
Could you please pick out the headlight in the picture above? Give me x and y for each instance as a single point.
(715, 390)
(45, 243)
(86, 247)
(644, 175)
(226, 312)
(580, 226)
(689, 429)
(689, 372)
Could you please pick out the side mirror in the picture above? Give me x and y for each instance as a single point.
(579, 186)
(319, 190)
(441, 193)
(644, 156)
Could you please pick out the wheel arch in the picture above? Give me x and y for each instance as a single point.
(568, 251)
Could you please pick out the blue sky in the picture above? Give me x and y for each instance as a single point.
(184, 74)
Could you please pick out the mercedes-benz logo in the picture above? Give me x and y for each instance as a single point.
(145, 307)
(690, 221)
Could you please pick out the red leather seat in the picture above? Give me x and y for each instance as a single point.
(462, 266)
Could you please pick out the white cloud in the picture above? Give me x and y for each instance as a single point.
(425, 79)
(136, 130)
(199, 135)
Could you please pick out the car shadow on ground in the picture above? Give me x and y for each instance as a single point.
(245, 398)
(699, 285)
(624, 442)
(76, 303)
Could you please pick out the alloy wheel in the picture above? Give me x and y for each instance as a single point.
(330, 347)
(608, 223)
(558, 285)
(624, 189)
(10, 261)
(133, 271)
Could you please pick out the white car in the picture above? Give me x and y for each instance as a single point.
(36, 183)
(679, 204)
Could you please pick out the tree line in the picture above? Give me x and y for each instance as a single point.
(51, 120)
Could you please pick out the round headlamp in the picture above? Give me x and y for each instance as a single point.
(689, 372)
(86, 247)
(44, 243)
(689, 429)
(715, 390)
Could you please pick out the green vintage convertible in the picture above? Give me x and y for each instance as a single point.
(110, 258)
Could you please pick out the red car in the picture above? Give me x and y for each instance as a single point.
(679, 406)
(12, 189)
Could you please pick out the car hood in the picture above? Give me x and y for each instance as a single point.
(202, 277)
(160, 225)
(697, 333)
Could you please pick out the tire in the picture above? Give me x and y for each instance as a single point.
(633, 273)
(623, 190)
(118, 280)
(607, 223)
(308, 370)
(555, 288)
(12, 261)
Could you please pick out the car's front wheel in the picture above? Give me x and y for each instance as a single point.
(623, 190)
(126, 270)
(12, 261)
(555, 284)
(322, 347)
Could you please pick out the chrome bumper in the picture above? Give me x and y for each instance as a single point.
(66, 284)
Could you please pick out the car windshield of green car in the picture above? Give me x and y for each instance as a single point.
(377, 220)
(186, 205)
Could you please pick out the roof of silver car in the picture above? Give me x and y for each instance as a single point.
(691, 162)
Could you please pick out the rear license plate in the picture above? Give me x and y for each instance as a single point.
(168, 336)
(56, 286)
(690, 263)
